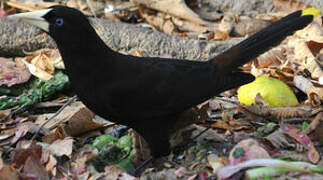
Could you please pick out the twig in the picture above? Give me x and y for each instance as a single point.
(52, 117)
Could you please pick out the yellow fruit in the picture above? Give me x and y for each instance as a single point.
(275, 92)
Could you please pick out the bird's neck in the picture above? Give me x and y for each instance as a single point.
(86, 52)
(87, 58)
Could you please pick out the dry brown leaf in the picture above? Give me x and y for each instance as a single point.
(278, 140)
(315, 47)
(301, 137)
(42, 63)
(315, 129)
(51, 165)
(33, 169)
(12, 73)
(59, 133)
(23, 129)
(315, 94)
(175, 7)
(289, 5)
(80, 121)
(9, 173)
(86, 154)
(271, 58)
(114, 172)
(64, 116)
(61, 147)
(261, 108)
(34, 70)
(21, 155)
(30, 5)
(304, 56)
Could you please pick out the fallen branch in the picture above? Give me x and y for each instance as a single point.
(18, 38)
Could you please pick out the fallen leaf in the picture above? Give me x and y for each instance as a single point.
(116, 173)
(302, 138)
(9, 173)
(51, 165)
(36, 71)
(62, 147)
(289, 5)
(33, 169)
(23, 129)
(12, 73)
(315, 94)
(315, 129)
(21, 155)
(246, 150)
(315, 47)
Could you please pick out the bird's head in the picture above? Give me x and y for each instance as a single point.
(60, 22)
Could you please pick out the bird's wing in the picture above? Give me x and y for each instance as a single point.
(158, 86)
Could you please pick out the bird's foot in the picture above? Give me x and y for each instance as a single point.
(142, 166)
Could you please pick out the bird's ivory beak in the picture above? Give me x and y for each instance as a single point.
(34, 18)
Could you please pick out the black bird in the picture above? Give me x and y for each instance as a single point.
(150, 94)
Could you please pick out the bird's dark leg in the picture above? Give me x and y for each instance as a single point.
(142, 166)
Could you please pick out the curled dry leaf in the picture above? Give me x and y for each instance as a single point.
(304, 56)
(12, 73)
(260, 108)
(42, 63)
(34, 70)
(301, 137)
(278, 140)
(315, 94)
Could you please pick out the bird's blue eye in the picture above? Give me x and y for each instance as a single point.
(59, 22)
